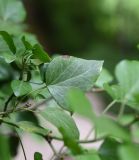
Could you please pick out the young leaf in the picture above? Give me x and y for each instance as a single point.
(27, 45)
(20, 88)
(8, 39)
(127, 90)
(40, 53)
(38, 156)
(105, 77)
(64, 73)
(61, 120)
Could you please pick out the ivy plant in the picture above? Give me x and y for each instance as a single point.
(35, 86)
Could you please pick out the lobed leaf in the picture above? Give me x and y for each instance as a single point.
(64, 73)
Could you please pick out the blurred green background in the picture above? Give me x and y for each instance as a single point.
(92, 29)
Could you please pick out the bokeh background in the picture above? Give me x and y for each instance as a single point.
(92, 29)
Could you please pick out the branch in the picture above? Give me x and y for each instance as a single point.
(80, 141)
(97, 90)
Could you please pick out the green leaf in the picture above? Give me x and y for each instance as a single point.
(38, 156)
(20, 88)
(5, 52)
(13, 144)
(105, 77)
(104, 125)
(109, 127)
(32, 128)
(128, 152)
(27, 45)
(12, 13)
(61, 120)
(108, 150)
(64, 73)
(71, 143)
(27, 116)
(4, 148)
(40, 53)
(8, 39)
(127, 90)
(88, 157)
(6, 71)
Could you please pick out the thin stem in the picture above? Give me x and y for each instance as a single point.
(30, 93)
(97, 90)
(7, 102)
(22, 146)
(89, 133)
(91, 141)
(80, 141)
(52, 147)
(59, 152)
(121, 112)
(109, 106)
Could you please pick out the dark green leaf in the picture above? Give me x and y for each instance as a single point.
(4, 148)
(27, 116)
(108, 150)
(8, 39)
(13, 144)
(40, 53)
(38, 156)
(27, 45)
(5, 51)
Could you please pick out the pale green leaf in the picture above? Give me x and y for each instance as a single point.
(32, 128)
(104, 125)
(20, 88)
(87, 157)
(127, 90)
(128, 152)
(105, 77)
(66, 72)
(12, 13)
(61, 120)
